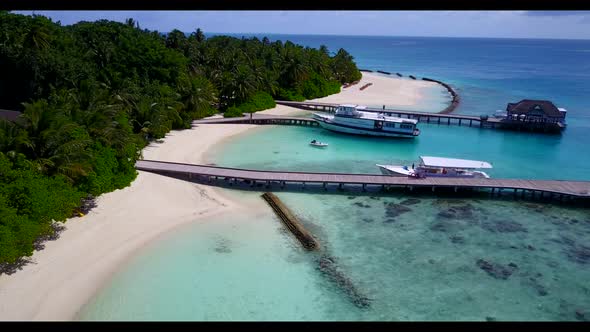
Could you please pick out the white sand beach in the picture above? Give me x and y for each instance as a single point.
(69, 271)
(390, 91)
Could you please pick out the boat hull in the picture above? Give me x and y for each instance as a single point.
(360, 131)
(394, 170)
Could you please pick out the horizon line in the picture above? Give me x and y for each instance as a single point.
(413, 36)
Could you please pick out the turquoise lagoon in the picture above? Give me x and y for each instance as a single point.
(415, 257)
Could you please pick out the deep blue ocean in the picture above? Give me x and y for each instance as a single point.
(416, 258)
(488, 72)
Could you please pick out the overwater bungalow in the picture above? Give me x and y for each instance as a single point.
(534, 115)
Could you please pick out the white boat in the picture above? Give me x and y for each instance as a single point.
(439, 167)
(318, 144)
(351, 119)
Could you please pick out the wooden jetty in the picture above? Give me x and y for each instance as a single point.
(292, 223)
(437, 118)
(261, 119)
(548, 189)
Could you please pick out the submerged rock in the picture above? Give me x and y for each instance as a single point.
(457, 239)
(448, 226)
(368, 220)
(327, 265)
(503, 226)
(393, 210)
(446, 214)
(496, 270)
(222, 246)
(351, 197)
(580, 315)
(579, 254)
(464, 211)
(490, 319)
(360, 204)
(410, 201)
(389, 221)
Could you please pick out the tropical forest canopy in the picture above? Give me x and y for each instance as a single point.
(93, 94)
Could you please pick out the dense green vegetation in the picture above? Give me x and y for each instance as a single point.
(95, 93)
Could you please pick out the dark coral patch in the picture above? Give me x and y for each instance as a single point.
(393, 210)
(503, 226)
(496, 270)
(410, 201)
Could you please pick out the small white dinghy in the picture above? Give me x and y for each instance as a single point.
(318, 144)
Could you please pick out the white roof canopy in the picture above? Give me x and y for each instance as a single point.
(453, 163)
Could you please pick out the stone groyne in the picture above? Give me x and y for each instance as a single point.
(326, 264)
(454, 102)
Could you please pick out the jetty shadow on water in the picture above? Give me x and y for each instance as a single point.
(379, 190)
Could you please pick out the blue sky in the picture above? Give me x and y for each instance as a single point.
(499, 24)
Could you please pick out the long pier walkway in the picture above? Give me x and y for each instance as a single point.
(262, 119)
(544, 188)
(439, 118)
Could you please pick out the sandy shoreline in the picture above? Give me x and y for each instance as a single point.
(69, 271)
(389, 91)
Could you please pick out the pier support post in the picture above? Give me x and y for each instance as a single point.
(514, 192)
(253, 183)
(493, 190)
(411, 188)
(455, 188)
(325, 186)
(268, 184)
(522, 193)
(470, 123)
(340, 186)
(439, 120)
(303, 187)
(459, 121)
(449, 121)
(364, 187)
(282, 184)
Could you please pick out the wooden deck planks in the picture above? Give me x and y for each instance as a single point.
(573, 188)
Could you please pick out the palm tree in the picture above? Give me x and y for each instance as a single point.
(37, 38)
(56, 144)
(199, 95)
(243, 84)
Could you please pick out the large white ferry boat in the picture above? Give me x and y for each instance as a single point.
(439, 167)
(351, 119)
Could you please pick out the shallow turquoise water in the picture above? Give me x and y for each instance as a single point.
(416, 260)
(513, 154)
(421, 264)
(429, 258)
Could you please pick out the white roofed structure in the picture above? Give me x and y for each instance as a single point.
(453, 163)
